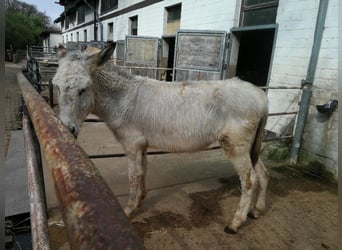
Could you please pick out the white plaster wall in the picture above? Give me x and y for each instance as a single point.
(208, 15)
(55, 40)
(320, 136)
(296, 20)
(150, 20)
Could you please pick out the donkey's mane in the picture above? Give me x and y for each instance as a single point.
(109, 76)
(113, 77)
(76, 56)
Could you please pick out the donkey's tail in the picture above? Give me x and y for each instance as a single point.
(256, 147)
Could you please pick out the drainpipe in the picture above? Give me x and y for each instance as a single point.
(308, 82)
(96, 20)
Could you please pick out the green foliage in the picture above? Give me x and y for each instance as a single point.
(24, 24)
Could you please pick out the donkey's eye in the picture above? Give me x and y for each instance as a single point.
(81, 91)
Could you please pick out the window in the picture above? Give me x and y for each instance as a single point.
(108, 5)
(110, 32)
(172, 19)
(67, 22)
(174, 13)
(81, 14)
(134, 25)
(70, 19)
(85, 35)
(77, 36)
(258, 12)
(71, 37)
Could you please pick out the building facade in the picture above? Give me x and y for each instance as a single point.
(267, 42)
(51, 39)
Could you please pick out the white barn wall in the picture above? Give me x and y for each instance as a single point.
(208, 15)
(151, 19)
(297, 20)
(51, 41)
(55, 40)
(320, 136)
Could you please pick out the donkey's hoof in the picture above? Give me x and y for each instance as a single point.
(128, 211)
(228, 230)
(144, 194)
(253, 215)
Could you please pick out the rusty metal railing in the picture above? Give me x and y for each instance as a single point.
(92, 215)
(39, 227)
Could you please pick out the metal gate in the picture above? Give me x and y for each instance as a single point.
(143, 53)
(83, 45)
(200, 55)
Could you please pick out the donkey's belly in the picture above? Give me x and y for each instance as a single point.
(178, 144)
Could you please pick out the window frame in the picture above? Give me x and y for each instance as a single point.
(81, 14)
(110, 31)
(255, 7)
(133, 19)
(85, 35)
(171, 9)
(108, 5)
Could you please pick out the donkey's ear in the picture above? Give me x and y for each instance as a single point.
(105, 54)
(61, 51)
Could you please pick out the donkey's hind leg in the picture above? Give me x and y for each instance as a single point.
(263, 178)
(240, 158)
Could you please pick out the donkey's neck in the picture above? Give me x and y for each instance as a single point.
(113, 94)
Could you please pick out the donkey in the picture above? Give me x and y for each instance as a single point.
(172, 116)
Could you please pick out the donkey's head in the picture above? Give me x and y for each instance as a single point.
(74, 83)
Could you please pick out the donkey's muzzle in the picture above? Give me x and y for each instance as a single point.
(73, 130)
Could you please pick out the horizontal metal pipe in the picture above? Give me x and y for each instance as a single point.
(283, 113)
(92, 215)
(93, 120)
(282, 87)
(278, 138)
(39, 225)
(117, 155)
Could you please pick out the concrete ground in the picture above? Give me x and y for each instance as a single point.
(16, 201)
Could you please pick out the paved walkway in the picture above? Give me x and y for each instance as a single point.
(16, 196)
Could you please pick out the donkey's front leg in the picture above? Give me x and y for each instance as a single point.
(136, 174)
(143, 176)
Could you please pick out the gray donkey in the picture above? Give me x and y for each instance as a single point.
(172, 116)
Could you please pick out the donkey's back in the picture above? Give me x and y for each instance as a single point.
(188, 116)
